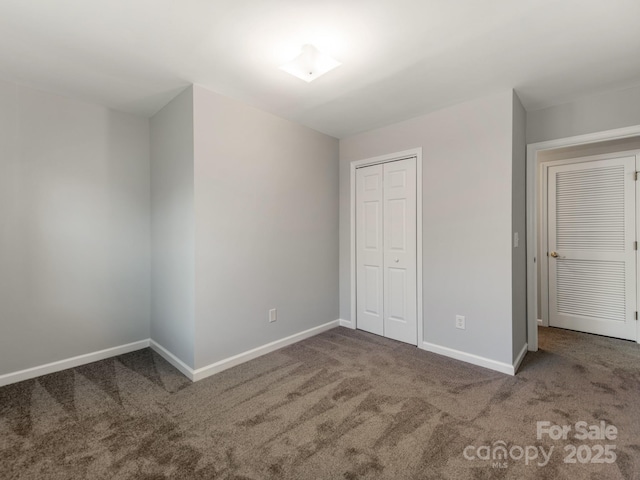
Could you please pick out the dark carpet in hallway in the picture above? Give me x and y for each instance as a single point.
(342, 405)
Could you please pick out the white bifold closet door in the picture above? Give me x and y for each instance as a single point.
(386, 250)
(592, 260)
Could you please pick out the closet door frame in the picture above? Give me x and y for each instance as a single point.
(413, 153)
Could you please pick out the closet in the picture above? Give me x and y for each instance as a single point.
(386, 255)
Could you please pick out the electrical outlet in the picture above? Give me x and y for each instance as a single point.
(273, 315)
(460, 322)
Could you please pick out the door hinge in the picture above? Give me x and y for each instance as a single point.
(636, 316)
(635, 245)
(635, 175)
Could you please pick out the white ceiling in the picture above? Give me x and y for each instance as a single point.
(401, 58)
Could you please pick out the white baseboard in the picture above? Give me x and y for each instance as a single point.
(60, 365)
(227, 363)
(470, 358)
(347, 323)
(520, 358)
(193, 375)
(185, 369)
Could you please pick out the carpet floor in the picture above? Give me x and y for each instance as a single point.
(342, 405)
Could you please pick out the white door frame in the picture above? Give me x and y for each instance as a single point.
(417, 153)
(532, 198)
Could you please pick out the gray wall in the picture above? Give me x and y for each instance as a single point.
(519, 224)
(172, 223)
(74, 228)
(467, 220)
(266, 212)
(596, 113)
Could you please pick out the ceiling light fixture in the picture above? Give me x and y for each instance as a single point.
(310, 64)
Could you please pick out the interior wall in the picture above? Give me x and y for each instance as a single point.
(74, 228)
(467, 220)
(266, 212)
(172, 227)
(519, 226)
(595, 113)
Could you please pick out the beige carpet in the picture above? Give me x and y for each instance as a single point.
(342, 405)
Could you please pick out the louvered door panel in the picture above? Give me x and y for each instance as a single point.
(591, 226)
(591, 289)
(590, 207)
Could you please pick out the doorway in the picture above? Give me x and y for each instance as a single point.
(590, 247)
(386, 246)
(619, 140)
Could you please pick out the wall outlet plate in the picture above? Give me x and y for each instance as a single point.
(461, 322)
(273, 315)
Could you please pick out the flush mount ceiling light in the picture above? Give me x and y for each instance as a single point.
(310, 64)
